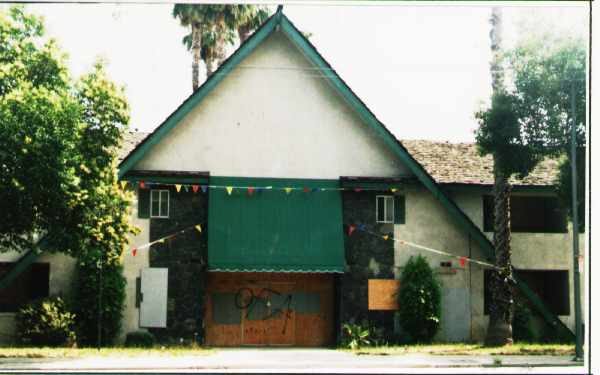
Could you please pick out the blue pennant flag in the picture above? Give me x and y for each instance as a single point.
(361, 227)
(204, 188)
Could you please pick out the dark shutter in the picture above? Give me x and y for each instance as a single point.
(143, 203)
(399, 209)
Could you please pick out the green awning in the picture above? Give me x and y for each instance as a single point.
(275, 231)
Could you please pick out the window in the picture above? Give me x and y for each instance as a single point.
(159, 203)
(33, 283)
(552, 287)
(529, 214)
(385, 209)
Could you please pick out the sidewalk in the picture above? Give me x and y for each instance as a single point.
(292, 360)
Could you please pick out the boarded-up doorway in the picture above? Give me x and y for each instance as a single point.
(269, 309)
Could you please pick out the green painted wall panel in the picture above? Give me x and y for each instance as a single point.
(273, 230)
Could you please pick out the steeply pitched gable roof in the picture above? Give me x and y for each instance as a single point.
(281, 21)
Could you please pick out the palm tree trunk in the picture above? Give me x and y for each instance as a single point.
(501, 308)
(196, 56)
(209, 61)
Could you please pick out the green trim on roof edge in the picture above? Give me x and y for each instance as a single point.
(278, 18)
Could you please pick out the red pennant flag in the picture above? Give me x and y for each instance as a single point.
(134, 251)
(250, 190)
(195, 188)
(358, 190)
(351, 229)
(463, 261)
(306, 190)
(142, 185)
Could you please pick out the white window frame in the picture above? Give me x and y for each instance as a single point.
(385, 198)
(159, 191)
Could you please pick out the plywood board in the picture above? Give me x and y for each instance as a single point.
(282, 324)
(383, 294)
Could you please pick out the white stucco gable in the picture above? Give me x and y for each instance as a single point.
(274, 115)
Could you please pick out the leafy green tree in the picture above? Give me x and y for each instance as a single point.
(420, 300)
(58, 144)
(548, 71)
(87, 305)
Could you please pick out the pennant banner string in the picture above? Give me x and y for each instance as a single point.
(351, 229)
(252, 189)
(462, 259)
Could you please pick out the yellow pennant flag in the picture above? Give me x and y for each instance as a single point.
(229, 189)
(198, 228)
(394, 190)
(162, 240)
(385, 237)
(123, 184)
(177, 187)
(287, 190)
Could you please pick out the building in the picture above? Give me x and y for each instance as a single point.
(272, 196)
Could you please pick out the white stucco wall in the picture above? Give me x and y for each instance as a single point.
(428, 224)
(274, 116)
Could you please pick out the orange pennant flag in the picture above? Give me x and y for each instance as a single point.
(351, 229)
(250, 190)
(195, 188)
(385, 237)
(462, 261)
(134, 251)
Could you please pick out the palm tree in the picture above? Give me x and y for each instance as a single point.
(501, 308)
(213, 27)
(191, 16)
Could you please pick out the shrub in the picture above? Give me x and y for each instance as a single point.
(139, 339)
(355, 335)
(46, 322)
(86, 308)
(419, 298)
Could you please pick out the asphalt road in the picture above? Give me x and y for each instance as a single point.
(293, 360)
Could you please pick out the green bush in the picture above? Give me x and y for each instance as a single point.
(87, 308)
(46, 322)
(139, 339)
(419, 298)
(355, 336)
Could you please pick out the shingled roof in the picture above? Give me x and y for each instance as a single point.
(130, 140)
(460, 163)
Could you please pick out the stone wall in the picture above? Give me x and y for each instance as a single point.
(367, 257)
(186, 258)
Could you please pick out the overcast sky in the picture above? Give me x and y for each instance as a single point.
(423, 70)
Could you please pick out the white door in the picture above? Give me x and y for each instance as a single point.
(153, 305)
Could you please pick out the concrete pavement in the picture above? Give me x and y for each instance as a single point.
(287, 360)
